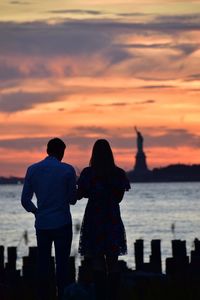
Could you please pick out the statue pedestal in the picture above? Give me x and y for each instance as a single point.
(140, 163)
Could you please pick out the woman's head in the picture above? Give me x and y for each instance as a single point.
(102, 159)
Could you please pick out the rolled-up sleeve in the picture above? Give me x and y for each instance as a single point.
(27, 194)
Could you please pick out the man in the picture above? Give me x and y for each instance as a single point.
(54, 184)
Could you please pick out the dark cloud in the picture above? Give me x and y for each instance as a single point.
(24, 143)
(132, 14)
(84, 137)
(38, 38)
(19, 101)
(115, 56)
(75, 11)
(193, 77)
(74, 37)
(157, 87)
(182, 18)
(174, 138)
(146, 102)
(185, 48)
(86, 40)
(14, 102)
(111, 104)
(90, 129)
(9, 72)
(19, 3)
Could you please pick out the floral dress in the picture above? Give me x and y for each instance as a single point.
(102, 231)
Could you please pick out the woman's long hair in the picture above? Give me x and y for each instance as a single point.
(102, 160)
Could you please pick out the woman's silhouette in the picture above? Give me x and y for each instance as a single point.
(102, 236)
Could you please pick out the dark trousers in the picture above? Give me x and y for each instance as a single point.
(62, 238)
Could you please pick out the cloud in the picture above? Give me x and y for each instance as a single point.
(10, 69)
(20, 101)
(185, 48)
(7, 126)
(84, 137)
(174, 138)
(24, 143)
(115, 104)
(39, 38)
(9, 72)
(19, 3)
(74, 37)
(157, 87)
(193, 77)
(90, 129)
(76, 11)
(181, 18)
(97, 48)
(146, 102)
(132, 14)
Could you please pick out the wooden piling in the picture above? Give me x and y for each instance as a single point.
(179, 248)
(139, 254)
(155, 257)
(12, 257)
(177, 266)
(1, 258)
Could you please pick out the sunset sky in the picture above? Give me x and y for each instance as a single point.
(83, 70)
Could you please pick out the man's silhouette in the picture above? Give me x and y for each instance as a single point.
(54, 184)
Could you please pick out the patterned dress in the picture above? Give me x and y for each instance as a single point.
(102, 230)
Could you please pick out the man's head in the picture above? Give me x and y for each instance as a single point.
(56, 147)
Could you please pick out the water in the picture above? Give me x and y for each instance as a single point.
(148, 211)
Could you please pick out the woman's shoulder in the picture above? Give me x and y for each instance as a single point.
(86, 172)
(119, 171)
(122, 179)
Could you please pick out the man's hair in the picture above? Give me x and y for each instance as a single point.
(55, 146)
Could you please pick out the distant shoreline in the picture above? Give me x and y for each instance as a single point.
(171, 173)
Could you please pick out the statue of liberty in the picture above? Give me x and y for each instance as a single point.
(139, 140)
(140, 159)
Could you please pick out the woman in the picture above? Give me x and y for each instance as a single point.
(102, 236)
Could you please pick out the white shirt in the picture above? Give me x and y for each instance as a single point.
(54, 184)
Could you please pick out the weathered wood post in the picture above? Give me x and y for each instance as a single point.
(12, 275)
(2, 287)
(155, 257)
(139, 254)
(1, 258)
(30, 264)
(178, 265)
(179, 248)
(195, 261)
(12, 257)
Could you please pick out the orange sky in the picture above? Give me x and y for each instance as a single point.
(85, 72)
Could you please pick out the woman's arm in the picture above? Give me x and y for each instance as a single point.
(83, 184)
(118, 194)
(81, 193)
(122, 184)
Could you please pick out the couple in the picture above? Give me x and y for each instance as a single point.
(102, 236)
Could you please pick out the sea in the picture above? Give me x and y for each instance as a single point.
(149, 211)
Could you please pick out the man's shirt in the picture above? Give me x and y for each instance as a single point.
(54, 184)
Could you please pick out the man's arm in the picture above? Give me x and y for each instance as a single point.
(72, 192)
(27, 195)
